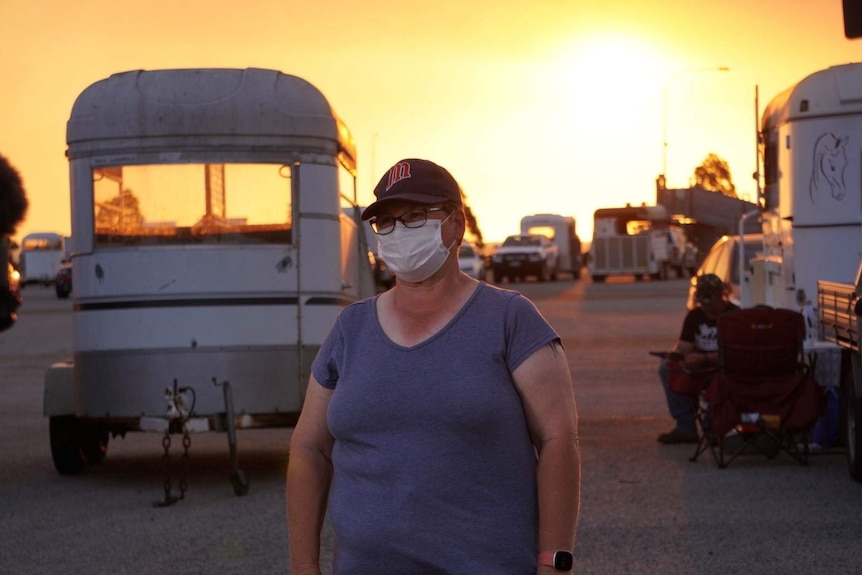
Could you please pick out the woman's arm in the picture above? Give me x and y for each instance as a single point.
(545, 385)
(309, 473)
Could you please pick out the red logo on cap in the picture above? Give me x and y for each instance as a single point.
(398, 172)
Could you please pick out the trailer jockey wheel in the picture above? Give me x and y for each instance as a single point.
(239, 482)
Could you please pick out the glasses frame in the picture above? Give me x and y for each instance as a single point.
(395, 219)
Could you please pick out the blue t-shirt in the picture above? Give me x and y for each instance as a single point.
(434, 470)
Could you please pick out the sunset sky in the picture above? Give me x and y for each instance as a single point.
(533, 105)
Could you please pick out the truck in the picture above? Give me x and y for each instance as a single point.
(640, 241)
(561, 230)
(522, 255)
(811, 219)
(704, 215)
(216, 235)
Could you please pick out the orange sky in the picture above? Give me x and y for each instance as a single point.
(533, 105)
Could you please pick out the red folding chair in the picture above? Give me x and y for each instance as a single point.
(763, 393)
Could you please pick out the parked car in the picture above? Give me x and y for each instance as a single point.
(383, 277)
(723, 261)
(63, 280)
(524, 255)
(472, 261)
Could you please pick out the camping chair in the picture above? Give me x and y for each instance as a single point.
(763, 392)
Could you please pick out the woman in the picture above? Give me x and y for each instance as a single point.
(439, 428)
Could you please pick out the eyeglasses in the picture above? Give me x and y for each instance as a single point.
(383, 225)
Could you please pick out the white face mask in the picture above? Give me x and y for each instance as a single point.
(414, 254)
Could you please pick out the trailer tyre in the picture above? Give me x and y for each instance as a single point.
(66, 444)
(74, 444)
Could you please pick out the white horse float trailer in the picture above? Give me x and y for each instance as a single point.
(215, 237)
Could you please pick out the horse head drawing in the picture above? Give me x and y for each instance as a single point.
(830, 160)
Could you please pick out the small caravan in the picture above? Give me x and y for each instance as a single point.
(215, 237)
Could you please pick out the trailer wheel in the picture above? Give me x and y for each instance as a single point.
(66, 444)
(75, 444)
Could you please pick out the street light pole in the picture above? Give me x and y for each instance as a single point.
(664, 91)
(374, 160)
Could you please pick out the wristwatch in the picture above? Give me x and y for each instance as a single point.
(559, 560)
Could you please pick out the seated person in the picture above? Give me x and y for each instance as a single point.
(698, 342)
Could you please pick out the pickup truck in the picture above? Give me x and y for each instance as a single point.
(839, 307)
(525, 255)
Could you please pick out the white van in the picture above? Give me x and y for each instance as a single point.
(41, 254)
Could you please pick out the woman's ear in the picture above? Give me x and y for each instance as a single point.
(461, 227)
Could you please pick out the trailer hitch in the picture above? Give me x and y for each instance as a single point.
(179, 411)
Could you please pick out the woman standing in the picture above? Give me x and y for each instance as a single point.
(439, 428)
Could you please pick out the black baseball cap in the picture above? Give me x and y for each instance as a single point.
(709, 288)
(414, 180)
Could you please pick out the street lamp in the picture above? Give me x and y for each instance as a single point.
(665, 88)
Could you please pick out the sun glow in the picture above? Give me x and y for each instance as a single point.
(613, 79)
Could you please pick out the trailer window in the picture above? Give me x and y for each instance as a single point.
(637, 227)
(177, 204)
(546, 231)
(40, 244)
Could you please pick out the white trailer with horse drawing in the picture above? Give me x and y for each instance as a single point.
(811, 143)
(215, 237)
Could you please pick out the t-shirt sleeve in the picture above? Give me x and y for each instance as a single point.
(526, 331)
(689, 327)
(325, 365)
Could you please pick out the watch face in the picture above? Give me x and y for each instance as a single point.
(563, 561)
